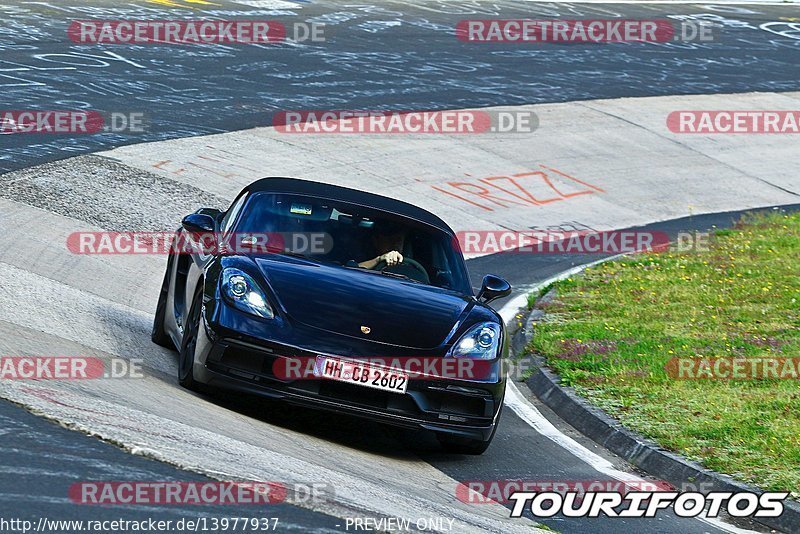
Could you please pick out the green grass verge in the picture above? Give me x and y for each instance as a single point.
(610, 332)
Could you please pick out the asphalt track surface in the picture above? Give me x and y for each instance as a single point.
(412, 66)
(390, 55)
(41, 460)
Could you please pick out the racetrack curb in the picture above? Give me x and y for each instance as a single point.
(597, 425)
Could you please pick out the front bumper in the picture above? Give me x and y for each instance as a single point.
(460, 408)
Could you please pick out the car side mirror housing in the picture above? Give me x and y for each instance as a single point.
(213, 212)
(493, 287)
(198, 223)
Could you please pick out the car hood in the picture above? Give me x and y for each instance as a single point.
(364, 305)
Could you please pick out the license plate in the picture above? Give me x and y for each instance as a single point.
(361, 373)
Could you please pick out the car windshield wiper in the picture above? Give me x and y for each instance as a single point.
(357, 267)
(398, 275)
(294, 254)
(283, 252)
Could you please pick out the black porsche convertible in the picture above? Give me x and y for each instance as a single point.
(312, 293)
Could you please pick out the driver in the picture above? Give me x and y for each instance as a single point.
(387, 240)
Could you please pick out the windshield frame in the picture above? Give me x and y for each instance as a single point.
(456, 257)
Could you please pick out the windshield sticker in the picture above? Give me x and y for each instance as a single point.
(301, 209)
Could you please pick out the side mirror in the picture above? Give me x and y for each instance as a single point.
(493, 287)
(213, 212)
(198, 223)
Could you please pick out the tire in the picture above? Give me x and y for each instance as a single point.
(189, 345)
(458, 445)
(158, 335)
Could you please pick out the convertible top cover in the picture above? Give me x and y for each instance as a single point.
(349, 196)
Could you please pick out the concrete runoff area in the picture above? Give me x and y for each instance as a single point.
(605, 164)
(629, 169)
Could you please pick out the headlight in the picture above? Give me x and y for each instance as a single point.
(243, 293)
(481, 342)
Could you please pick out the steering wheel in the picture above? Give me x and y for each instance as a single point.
(408, 267)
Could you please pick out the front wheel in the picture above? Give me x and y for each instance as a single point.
(189, 345)
(159, 335)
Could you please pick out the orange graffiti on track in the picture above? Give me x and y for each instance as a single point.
(535, 188)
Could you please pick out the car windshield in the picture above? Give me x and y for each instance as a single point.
(353, 237)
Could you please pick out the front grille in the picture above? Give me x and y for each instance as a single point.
(424, 401)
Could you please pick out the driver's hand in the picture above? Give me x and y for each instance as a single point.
(391, 258)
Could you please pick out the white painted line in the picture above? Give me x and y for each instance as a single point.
(526, 411)
(268, 4)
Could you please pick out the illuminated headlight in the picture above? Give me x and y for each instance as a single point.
(482, 342)
(242, 292)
